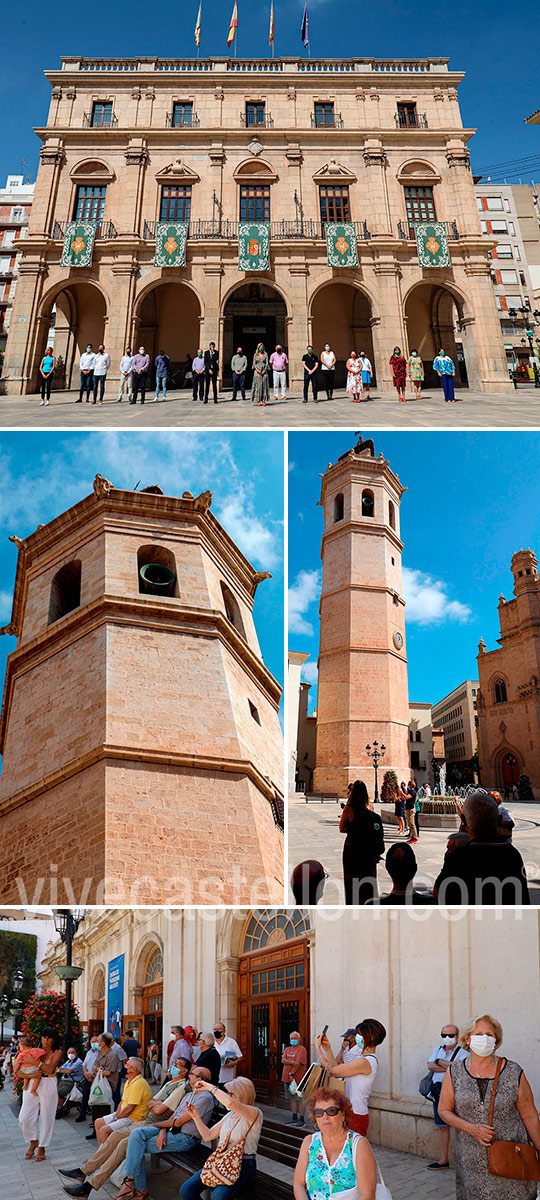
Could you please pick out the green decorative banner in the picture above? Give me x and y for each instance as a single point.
(341, 245)
(171, 238)
(432, 244)
(253, 247)
(78, 244)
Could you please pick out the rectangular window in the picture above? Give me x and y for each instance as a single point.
(5, 264)
(17, 214)
(498, 302)
(182, 113)
(517, 255)
(175, 202)
(511, 228)
(504, 251)
(334, 204)
(254, 203)
(324, 114)
(101, 113)
(9, 237)
(483, 226)
(499, 227)
(420, 203)
(480, 203)
(407, 117)
(89, 203)
(415, 759)
(494, 203)
(255, 113)
(507, 206)
(513, 301)
(509, 277)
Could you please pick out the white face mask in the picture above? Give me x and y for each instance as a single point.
(448, 1039)
(482, 1044)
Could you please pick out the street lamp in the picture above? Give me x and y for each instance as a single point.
(529, 327)
(4, 1007)
(66, 922)
(376, 754)
(17, 980)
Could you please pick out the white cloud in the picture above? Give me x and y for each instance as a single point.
(292, 466)
(303, 592)
(256, 538)
(6, 600)
(310, 672)
(428, 602)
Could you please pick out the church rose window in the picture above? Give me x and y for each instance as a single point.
(265, 923)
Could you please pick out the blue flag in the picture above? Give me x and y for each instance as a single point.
(305, 27)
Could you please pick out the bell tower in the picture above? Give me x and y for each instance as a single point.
(142, 752)
(362, 692)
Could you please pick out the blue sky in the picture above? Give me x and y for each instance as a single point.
(473, 499)
(43, 474)
(494, 44)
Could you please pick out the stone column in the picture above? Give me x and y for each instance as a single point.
(27, 332)
(375, 159)
(298, 325)
(227, 985)
(483, 324)
(391, 331)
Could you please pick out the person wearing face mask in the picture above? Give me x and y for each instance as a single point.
(416, 372)
(367, 373)
(181, 1047)
(354, 378)
(328, 368)
(229, 1052)
(88, 1077)
(70, 1072)
(279, 363)
(86, 366)
(294, 1063)
(466, 1103)
(447, 1052)
(359, 1073)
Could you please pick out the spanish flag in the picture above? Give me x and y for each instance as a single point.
(271, 34)
(234, 24)
(198, 26)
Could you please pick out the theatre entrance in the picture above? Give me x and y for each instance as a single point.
(254, 313)
(273, 1000)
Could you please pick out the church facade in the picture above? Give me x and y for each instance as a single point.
(354, 175)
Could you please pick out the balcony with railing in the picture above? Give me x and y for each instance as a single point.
(329, 121)
(406, 229)
(182, 120)
(107, 121)
(411, 120)
(105, 230)
(258, 121)
(280, 231)
(289, 66)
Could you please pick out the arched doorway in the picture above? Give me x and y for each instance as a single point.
(341, 315)
(152, 998)
(273, 993)
(97, 1004)
(73, 317)
(434, 317)
(509, 769)
(168, 318)
(254, 312)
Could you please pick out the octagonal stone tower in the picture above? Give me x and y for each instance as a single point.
(362, 693)
(142, 751)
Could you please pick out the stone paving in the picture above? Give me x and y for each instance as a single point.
(313, 832)
(406, 1175)
(473, 410)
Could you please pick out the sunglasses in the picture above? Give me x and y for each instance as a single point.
(326, 1112)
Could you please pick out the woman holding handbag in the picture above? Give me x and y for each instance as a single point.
(233, 1164)
(335, 1161)
(488, 1100)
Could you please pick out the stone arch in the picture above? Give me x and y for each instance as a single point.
(255, 168)
(341, 311)
(98, 983)
(167, 315)
(253, 311)
(504, 771)
(417, 170)
(338, 507)
(436, 313)
(72, 313)
(498, 688)
(142, 953)
(65, 592)
(157, 581)
(232, 609)
(92, 169)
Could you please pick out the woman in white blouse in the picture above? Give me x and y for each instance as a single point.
(358, 1073)
(328, 367)
(243, 1119)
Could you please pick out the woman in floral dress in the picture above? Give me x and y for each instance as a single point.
(334, 1162)
(399, 373)
(354, 377)
(416, 373)
(465, 1103)
(260, 394)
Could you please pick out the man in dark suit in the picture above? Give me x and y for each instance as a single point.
(211, 367)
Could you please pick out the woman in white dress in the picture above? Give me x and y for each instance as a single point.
(355, 387)
(43, 1104)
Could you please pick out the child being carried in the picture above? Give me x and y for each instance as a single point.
(27, 1062)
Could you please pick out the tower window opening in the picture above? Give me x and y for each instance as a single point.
(254, 712)
(500, 691)
(232, 609)
(368, 503)
(65, 592)
(391, 516)
(156, 570)
(338, 507)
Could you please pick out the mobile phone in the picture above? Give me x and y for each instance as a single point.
(324, 1032)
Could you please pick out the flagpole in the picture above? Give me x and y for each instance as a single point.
(235, 28)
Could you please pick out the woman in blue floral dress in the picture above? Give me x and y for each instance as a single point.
(334, 1163)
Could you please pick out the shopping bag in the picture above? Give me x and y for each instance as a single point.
(100, 1092)
(382, 1192)
(75, 1094)
(318, 1077)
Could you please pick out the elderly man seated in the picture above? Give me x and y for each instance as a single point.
(485, 870)
(69, 1073)
(133, 1106)
(98, 1168)
(178, 1134)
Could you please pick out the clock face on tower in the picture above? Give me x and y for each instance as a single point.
(398, 640)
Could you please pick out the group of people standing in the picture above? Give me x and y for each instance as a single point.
(413, 369)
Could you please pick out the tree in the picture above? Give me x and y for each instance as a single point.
(49, 1008)
(17, 952)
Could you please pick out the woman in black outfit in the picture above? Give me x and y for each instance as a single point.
(364, 846)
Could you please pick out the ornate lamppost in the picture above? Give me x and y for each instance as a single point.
(376, 754)
(4, 1009)
(67, 921)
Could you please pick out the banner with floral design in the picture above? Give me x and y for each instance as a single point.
(432, 244)
(171, 238)
(78, 244)
(253, 246)
(341, 244)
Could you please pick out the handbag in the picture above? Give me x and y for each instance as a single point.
(316, 1077)
(511, 1160)
(100, 1092)
(426, 1086)
(381, 1191)
(223, 1166)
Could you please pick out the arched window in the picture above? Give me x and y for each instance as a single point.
(65, 591)
(338, 507)
(153, 969)
(391, 515)
(274, 925)
(368, 503)
(232, 609)
(500, 691)
(156, 571)
(99, 986)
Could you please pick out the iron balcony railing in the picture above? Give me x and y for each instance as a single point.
(179, 120)
(265, 121)
(280, 231)
(411, 120)
(91, 121)
(105, 230)
(406, 229)
(329, 122)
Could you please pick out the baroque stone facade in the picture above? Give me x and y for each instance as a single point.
(293, 142)
(509, 696)
(142, 752)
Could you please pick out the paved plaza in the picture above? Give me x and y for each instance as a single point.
(313, 831)
(473, 409)
(405, 1174)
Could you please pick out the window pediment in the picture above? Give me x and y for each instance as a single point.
(177, 170)
(334, 172)
(94, 169)
(255, 169)
(417, 171)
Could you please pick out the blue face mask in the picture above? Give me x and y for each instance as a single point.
(359, 1041)
(175, 1071)
(293, 1041)
(95, 1046)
